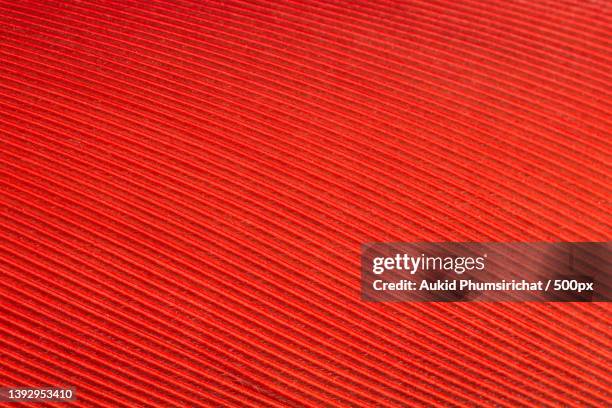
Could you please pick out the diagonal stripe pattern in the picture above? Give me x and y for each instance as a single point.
(185, 186)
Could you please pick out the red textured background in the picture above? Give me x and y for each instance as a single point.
(184, 188)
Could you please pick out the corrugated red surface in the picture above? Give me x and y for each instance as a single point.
(184, 189)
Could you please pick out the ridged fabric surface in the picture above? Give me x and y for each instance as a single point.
(185, 186)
